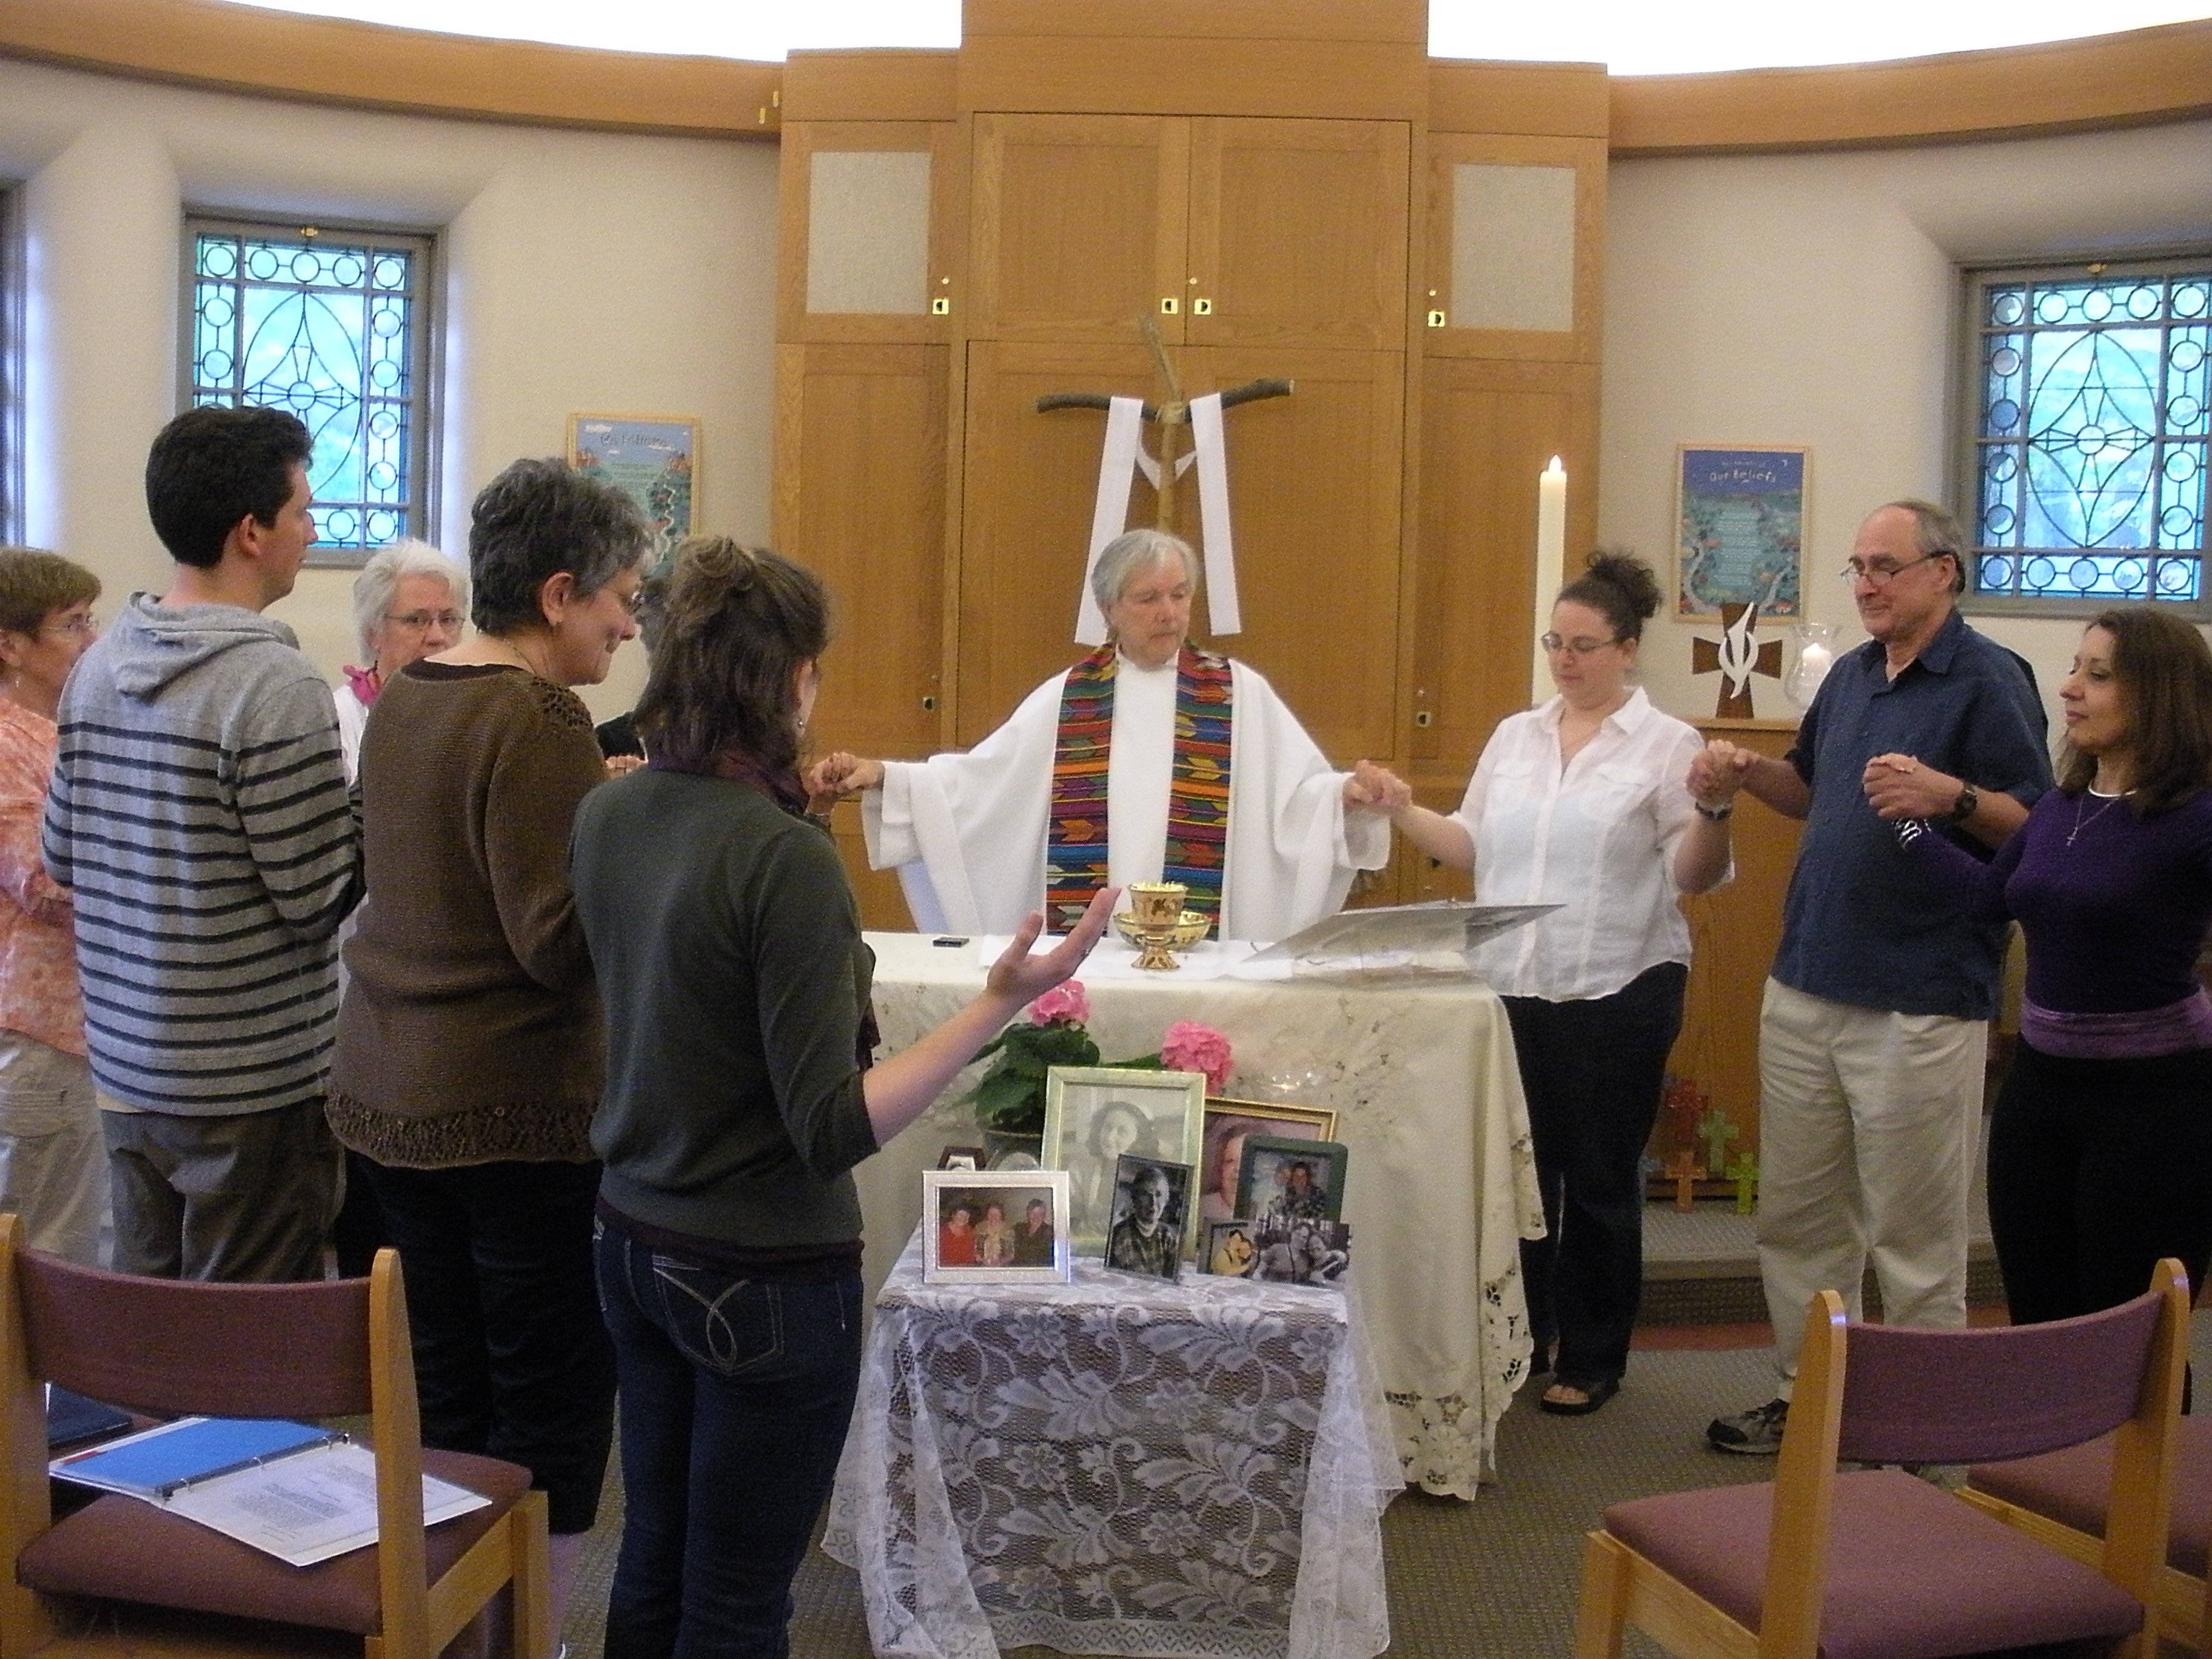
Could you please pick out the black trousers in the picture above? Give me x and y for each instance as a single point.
(2098, 1168)
(1592, 1071)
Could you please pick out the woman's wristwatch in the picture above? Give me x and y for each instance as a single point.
(1720, 814)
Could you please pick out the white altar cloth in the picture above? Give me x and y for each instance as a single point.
(1442, 1186)
(1194, 1470)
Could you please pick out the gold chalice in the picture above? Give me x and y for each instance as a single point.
(1157, 925)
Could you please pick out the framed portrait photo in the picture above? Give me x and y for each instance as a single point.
(1228, 1124)
(1151, 1207)
(1228, 1251)
(1306, 1251)
(1291, 1180)
(951, 1157)
(994, 1227)
(1094, 1114)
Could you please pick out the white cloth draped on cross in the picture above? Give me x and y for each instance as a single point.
(1123, 458)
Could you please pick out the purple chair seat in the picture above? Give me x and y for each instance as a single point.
(119, 1548)
(2069, 1487)
(1910, 1576)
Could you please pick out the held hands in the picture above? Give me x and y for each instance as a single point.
(1376, 788)
(1023, 977)
(838, 774)
(618, 765)
(1899, 786)
(1718, 770)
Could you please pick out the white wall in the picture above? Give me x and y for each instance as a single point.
(583, 271)
(1813, 300)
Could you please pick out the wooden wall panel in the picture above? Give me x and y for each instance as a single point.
(859, 492)
(1734, 931)
(1488, 430)
(875, 84)
(1352, 80)
(1588, 157)
(1561, 100)
(801, 141)
(1079, 225)
(1404, 22)
(1298, 232)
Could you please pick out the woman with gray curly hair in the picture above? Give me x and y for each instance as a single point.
(409, 602)
(469, 1052)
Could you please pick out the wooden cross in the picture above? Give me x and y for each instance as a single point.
(1682, 1171)
(1736, 656)
(1716, 1131)
(1172, 415)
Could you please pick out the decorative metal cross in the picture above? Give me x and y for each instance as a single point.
(1736, 657)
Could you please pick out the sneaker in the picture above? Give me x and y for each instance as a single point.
(1755, 1433)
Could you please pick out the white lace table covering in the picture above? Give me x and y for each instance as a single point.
(1442, 1184)
(1116, 1466)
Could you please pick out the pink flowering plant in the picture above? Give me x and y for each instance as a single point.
(1055, 1031)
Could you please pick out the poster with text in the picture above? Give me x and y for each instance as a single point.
(1739, 531)
(654, 461)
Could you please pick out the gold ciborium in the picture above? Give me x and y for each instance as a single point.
(1157, 925)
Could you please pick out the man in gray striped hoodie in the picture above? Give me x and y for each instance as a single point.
(199, 812)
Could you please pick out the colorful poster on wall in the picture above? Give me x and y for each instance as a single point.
(1739, 531)
(654, 461)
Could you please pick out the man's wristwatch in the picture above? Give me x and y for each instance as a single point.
(1963, 808)
(1720, 814)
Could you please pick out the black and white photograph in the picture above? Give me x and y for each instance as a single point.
(1151, 1200)
(1093, 1114)
(994, 1227)
(1306, 1251)
(1292, 1180)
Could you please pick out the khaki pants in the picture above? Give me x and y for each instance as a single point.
(53, 1169)
(248, 1195)
(1867, 1126)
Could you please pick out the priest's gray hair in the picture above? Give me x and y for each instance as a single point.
(380, 578)
(1135, 550)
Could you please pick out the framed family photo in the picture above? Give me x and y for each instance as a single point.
(1739, 531)
(1151, 1205)
(1094, 1114)
(1228, 1250)
(1228, 1124)
(1283, 1179)
(994, 1227)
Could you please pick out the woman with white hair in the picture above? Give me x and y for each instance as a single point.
(409, 602)
(1150, 760)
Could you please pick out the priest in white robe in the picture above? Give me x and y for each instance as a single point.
(982, 838)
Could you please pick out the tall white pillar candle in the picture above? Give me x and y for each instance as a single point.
(1551, 566)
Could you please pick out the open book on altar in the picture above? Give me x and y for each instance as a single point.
(1398, 939)
(299, 1493)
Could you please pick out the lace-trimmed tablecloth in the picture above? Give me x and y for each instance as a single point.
(1442, 1187)
(1120, 1465)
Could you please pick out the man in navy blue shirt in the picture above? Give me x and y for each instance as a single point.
(1874, 1031)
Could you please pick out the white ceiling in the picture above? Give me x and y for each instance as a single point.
(1634, 37)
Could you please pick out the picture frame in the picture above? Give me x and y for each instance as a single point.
(953, 1254)
(1150, 1217)
(1740, 518)
(1228, 1251)
(1270, 1185)
(950, 1157)
(652, 458)
(1094, 1114)
(1221, 1158)
(1309, 1250)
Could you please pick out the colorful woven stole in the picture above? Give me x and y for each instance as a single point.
(1197, 847)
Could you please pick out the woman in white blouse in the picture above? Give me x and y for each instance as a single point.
(1584, 802)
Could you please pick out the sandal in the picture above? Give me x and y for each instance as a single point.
(1592, 1397)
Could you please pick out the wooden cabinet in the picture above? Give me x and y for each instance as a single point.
(1224, 231)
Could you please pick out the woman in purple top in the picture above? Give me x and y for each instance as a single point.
(2100, 1146)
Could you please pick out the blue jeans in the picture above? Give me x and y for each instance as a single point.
(735, 1397)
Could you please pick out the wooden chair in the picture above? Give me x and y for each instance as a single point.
(2060, 1499)
(1881, 1564)
(336, 1348)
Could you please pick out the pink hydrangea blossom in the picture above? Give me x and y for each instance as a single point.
(1189, 1046)
(1064, 1001)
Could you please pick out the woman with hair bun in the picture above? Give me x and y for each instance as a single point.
(1583, 802)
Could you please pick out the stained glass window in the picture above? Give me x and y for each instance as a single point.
(2091, 388)
(333, 326)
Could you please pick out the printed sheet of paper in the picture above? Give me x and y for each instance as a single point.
(310, 1507)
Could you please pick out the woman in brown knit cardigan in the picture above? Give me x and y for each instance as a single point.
(470, 1055)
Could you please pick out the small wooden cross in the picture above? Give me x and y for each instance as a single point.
(1736, 657)
(1743, 1169)
(1716, 1131)
(1682, 1171)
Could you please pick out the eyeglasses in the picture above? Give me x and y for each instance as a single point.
(421, 622)
(1574, 647)
(1880, 575)
(77, 628)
